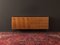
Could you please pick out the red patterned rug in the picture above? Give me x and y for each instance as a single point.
(13, 38)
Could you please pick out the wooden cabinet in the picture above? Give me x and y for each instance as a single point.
(30, 22)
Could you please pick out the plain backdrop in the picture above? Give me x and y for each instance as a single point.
(9, 8)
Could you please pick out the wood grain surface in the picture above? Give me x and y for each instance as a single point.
(30, 22)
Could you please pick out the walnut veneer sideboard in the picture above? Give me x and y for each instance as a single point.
(30, 22)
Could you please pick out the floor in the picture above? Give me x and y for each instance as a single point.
(42, 38)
